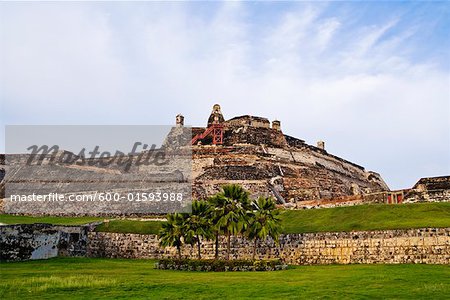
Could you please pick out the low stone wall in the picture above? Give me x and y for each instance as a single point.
(40, 241)
(407, 196)
(426, 245)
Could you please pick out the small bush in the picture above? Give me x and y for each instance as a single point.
(211, 265)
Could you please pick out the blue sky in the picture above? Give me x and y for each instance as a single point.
(371, 79)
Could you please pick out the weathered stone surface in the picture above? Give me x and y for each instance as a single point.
(40, 241)
(72, 180)
(425, 245)
(298, 174)
(432, 189)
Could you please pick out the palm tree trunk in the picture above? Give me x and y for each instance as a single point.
(198, 247)
(254, 248)
(228, 245)
(216, 255)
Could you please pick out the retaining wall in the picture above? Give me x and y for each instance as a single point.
(425, 245)
(41, 241)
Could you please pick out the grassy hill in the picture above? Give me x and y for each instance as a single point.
(130, 226)
(11, 219)
(367, 217)
(361, 217)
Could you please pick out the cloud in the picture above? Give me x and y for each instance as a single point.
(355, 82)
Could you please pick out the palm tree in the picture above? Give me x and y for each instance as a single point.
(264, 222)
(213, 216)
(172, 233)
(198, 224)
(229, 212)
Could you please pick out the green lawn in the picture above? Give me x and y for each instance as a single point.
(12, 219)
(368, 217)
(130, 226)
(81, 278)
(361, 217)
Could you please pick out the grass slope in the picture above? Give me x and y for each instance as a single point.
(367, 217)
(361, 217)
(130, 226)
(11, 219)
(81, 278)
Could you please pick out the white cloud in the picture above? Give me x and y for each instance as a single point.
(143, 63)
(326, 31)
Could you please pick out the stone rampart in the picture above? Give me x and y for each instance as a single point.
(425, 245)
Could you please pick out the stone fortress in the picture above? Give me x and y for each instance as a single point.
(256, 154)
(251, 151)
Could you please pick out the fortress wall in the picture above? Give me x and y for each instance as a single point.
(41, 241)
(329, 162)
(254, 136)
(425, 245)
(342, 168)
(302, 174)
(414, 196)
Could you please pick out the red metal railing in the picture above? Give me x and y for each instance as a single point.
(217, 133)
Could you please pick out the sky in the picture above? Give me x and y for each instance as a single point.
(371, 79)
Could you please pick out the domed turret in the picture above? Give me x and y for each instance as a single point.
(216, 116)
(179, 120)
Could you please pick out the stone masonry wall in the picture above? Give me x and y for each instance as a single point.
(425, 245)
(41, 241)
(414, 196)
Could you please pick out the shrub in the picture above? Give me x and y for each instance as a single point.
(219, 265)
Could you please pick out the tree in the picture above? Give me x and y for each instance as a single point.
(264, 222)
(229, 211)
(172, 233)
(198, 224)
(214, 217)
